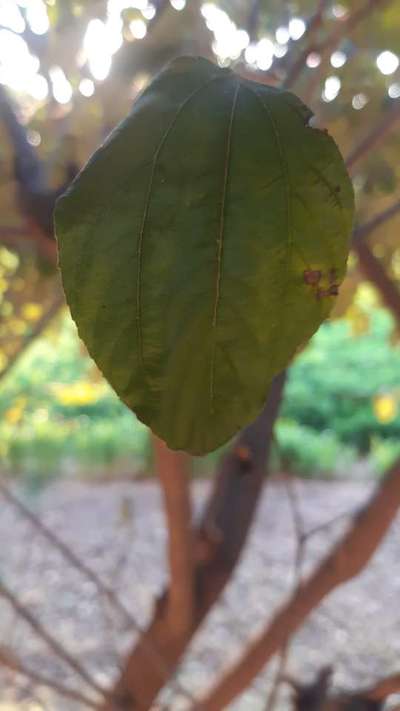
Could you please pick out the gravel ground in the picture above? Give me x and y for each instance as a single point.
(119, 530)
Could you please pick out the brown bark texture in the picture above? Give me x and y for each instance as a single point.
(218, 541)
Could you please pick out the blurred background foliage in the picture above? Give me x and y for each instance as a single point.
(69, 71)
(340, 415)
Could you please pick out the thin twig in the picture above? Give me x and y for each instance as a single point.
(344, 701)
(22, 571)
(154, 655)
(332, 42)
(383, 688)
(16, 237)
(376, 273)
(373, 138)
(302, 538)
(298, 525)
(121, 564)
(253, 19)
(347, 559)
(319, 528)
(50, 313)
(51, 642)
(377, 221)
(371, 266)
(10, 661)
(298, 67)
(69, 555)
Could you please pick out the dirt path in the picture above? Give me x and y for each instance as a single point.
(119, 530)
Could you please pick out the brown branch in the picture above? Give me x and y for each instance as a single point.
(375, 272)
(315, 695)
(325, 48)
(347, 560)
(105, 590)
(10, 661)
(173, 472)
(69, 555)
(273, 76)
(392, 299)
(36, 330)
(13, 232)
(301, 535)
(51, 642)
(384, 688)
(298, 67)
(219, 540)
(371, 266)
(15, 237)
(371, 225)
(318, 692)
(35, 197)
(301, 539)
(253, 20)
(373, 138)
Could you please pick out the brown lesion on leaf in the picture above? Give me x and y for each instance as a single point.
(322, 284)
(312, 277)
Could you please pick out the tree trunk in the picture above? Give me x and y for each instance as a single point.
(218, 541)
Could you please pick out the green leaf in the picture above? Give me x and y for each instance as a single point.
(201, 246)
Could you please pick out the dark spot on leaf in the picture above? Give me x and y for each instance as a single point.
(312, 276)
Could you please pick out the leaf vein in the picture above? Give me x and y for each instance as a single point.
(220, 242)
(146, 211)
(288, 194)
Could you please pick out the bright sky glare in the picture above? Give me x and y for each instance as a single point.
(229, 40)
(387, 62)
(62, 89)
(394, 90)
(138, 28)
(297, 28)
(86, 87)
(10, 16)
(17, 65)
(38, 87)
(338, 59)
(20, 69)
(331, 88)
(359, 101)
(282, 35)
(178, 4)
(265, 54)
(313, 60)
(36, 15)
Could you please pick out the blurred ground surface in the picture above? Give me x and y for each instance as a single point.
(118, 529)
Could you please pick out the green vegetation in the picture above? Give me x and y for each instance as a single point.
(59, 416)
(335, 390)
(306, 452)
